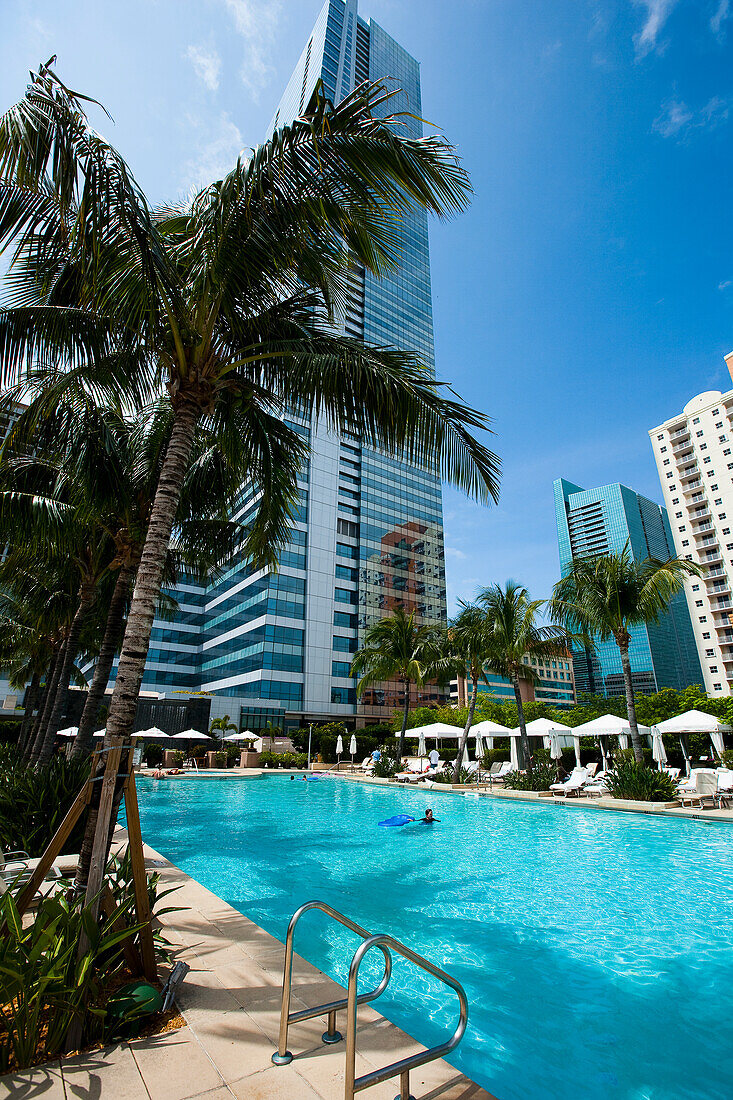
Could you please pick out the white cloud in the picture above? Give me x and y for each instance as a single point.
(657, 14)
(717, 23)
(724, 285)
(256, 21)
(218, 149)
(207, 65)
(678, 120)
(454, 552)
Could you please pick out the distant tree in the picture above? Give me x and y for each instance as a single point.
(605, 596)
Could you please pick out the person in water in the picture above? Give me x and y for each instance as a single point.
(428, 819)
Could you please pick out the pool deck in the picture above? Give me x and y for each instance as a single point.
(231, 1003)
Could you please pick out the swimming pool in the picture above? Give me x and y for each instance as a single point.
(596, 949)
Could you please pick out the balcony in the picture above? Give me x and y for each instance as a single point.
(678, 433)
(686, 447)
(690, 472)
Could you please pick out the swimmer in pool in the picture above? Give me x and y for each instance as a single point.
(428, 819)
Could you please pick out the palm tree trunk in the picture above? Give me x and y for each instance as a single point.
(523, 739)
(62, 687)
(464, 736)
(105, 660)
(31, 698)
(630, 704)
(42, 699)
(405, 716)
(142, 612)
(52, 684)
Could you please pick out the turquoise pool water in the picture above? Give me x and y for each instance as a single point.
(596, 949)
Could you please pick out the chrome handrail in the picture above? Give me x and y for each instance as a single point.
(283, 1056)
(402, 1068)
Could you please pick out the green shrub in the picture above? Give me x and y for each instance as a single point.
(365, 745)
(178, 758)
(543, 774)
(220, 759)
(33, 803)
(728, 758)
(153, 754)
(45, 986)
(446, 775)
(233, 754)
(9, 730)
(386, 766)
(629, 780)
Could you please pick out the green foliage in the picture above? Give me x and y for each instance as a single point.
(45, 985)
(153, 754)
(331, 730)
(543, 774)
(365, 744)
(9, 730)
(178, 758)
(386, 766)
(446, 776)
(34, 802)
(629, 780)
(728, 758)
(283, 759)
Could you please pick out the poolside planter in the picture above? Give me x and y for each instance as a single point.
(169, 758)
(212, 762)
(249, 759)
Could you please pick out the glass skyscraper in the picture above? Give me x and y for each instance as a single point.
(596, 521)
(369, 534)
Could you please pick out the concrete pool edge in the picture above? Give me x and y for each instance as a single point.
(231, 1003)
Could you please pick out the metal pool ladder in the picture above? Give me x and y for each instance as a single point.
(386, 944)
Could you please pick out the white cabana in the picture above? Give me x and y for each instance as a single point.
(658, 751)
(697, 721)
(488, 730)
(434, 730)
(71, 731)
(240, 737)
(545, 728)
(608, 725)
(513, 753)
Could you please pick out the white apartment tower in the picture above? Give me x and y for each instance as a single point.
(694, 453)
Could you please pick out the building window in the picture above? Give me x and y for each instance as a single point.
(722, 439)
(706, 636)
(698, 603)
(718, 502)
(709, 652)
(344, 595)
(696, 588)
(719, 424)
(726, 451)
(698, 434)
(716, 412)
(662, 450)
(696, 420)
(661, 436)
(670, 474)
(346, 527)
(666, 462)
(717, 687)
(714, 668)
(678, 515)
(705, 462)
(703, 618)
(721, 515)
(676, 499)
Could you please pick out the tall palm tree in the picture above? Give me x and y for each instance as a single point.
(397, 648)
(226, 301)
(468, 644)
(515, 638)
(605, 596)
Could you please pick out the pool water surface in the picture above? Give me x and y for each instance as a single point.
(596, 948)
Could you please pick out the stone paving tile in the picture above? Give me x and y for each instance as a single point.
(112, 1072)
(276, 1083)
(44, 1081)
(174, 1065)
(222, 1093)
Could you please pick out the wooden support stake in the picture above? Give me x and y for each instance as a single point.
(132, 955)
(139, 876)
(99, 849)
(56, 844)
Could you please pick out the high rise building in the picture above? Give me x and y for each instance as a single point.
(694, 455)
(602, 520)
(553, 683)
(369, 533)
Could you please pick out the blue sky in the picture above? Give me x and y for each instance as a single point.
(588, 292)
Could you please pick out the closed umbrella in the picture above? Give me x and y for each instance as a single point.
(555, 747)
(339, 750)
(658, 751)
(479, 748)
(70, 732)
(352, 748)
(421, 749)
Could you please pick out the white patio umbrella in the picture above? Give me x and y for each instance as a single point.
(555, 747)
(658, 751)
(154, 731)
(352, 748)
(189, 735)
(339, 750)
(479, 754)
(70, 732)
(421, 748)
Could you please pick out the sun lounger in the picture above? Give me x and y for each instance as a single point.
(597, 786)
(703, 786)
(724, 793)
(573, 785)
(591, 769)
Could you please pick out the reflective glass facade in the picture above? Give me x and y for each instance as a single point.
(369, 536)
(596, 521)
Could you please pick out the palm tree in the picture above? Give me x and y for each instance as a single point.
(468, 646)
(397, 648)
(605, 596)
(226, 302)
(515, 639)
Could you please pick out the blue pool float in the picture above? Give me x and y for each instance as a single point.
(398, 819)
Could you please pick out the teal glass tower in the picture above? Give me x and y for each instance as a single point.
(596, 521)
(369, 534)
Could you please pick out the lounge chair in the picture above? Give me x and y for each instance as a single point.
(498, 771)
(364, 766)
(673, 773)
(703, 785)
(17, 867)
(724, 793)
(592, 769)
(573, 785)
(597, 786)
